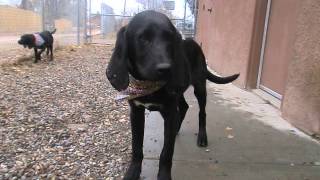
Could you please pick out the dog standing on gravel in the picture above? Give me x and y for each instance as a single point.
(152, 66)
(42, 41)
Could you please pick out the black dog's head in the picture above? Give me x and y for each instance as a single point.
(27, 40)
(149, 48)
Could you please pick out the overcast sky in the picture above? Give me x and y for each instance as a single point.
(9, 2)
(117, 5)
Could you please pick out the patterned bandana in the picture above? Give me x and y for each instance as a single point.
(38, 40)
(138, 88)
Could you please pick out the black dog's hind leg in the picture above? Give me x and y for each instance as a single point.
(36, 56)
(137, 119)
(183, 108)
(51, 53)
(201, 94)
(171, 117)
(47, 51)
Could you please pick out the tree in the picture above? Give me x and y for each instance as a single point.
(32, 5)
(192, 5)
(26, 4)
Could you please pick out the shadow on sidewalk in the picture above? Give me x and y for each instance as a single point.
(241, 145)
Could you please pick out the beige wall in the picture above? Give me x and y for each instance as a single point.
(231, 37)
(301, 104)
(226, 35)
(63, 25)
(18, 20)
(14, 20)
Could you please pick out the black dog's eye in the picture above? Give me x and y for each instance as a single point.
(146, 37)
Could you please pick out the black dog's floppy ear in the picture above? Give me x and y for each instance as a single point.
(181, 78)
(117, 70)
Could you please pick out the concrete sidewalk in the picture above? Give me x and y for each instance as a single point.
(247, 139)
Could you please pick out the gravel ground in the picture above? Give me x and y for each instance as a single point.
(58, 120)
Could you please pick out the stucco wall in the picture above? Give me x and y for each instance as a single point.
(230, 32)
(301, 104)
(226, 35)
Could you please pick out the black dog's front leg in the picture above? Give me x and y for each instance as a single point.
(35, 55)
(38, 55)
(171, 118)
(41, 51)
(47, 51)
(137, 119)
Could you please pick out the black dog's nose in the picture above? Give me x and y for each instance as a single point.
(163, 68)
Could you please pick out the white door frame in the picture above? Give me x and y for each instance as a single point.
(263, 47)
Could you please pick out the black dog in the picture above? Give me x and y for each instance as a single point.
(42, 41)
(150, 49)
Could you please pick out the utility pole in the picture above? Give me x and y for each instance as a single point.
(90, 32)
(195, 15)
(43, 14)
(78, 23)
(184, 16)
(85, 31)
(124, 7)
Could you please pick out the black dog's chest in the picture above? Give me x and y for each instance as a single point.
(154, 102)
(149, 106)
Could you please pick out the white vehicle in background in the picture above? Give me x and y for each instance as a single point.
(188, 25)
(186, 28)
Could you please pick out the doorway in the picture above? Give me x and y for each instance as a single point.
(276, 51)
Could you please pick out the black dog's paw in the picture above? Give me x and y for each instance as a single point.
(134, 171)
(202, 139)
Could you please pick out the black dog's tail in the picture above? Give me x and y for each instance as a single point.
(52, 32)
(221, 80)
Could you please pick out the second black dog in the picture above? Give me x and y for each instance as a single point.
(42, 41)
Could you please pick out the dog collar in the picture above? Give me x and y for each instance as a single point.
(138, 88)
(38, 40)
